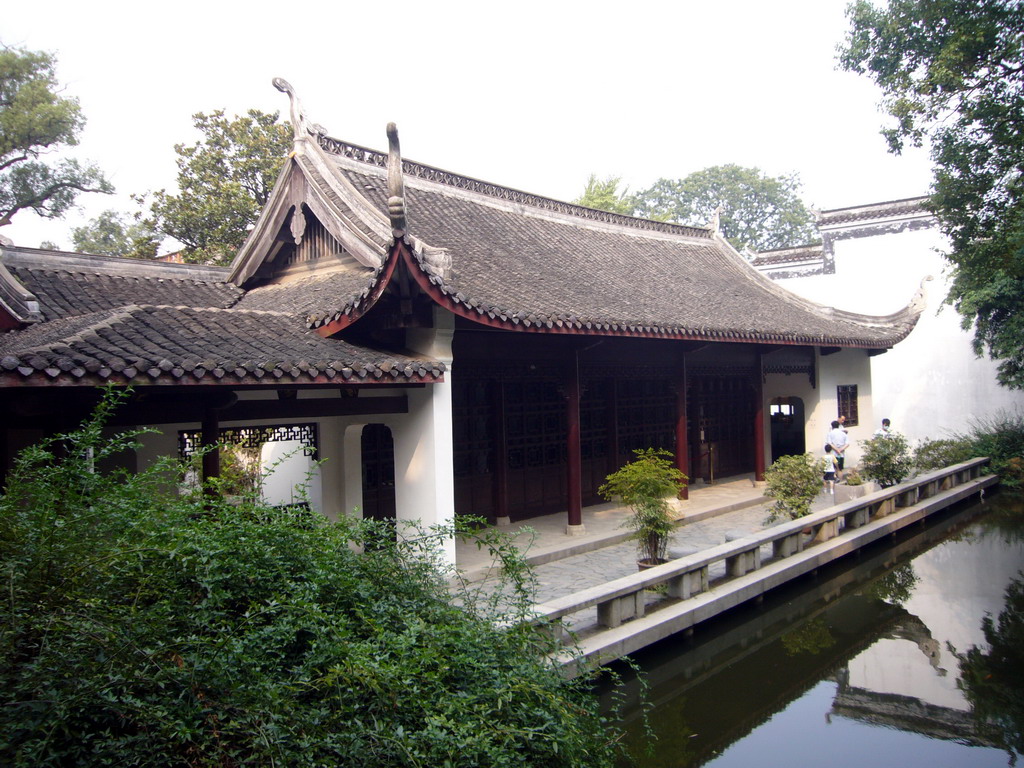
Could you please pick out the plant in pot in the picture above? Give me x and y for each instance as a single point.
(644, 486)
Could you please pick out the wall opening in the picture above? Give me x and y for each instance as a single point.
(787, 418)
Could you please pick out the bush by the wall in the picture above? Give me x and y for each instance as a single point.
(1001, 438)
(936, 454)
(886, 458)
(140, 628)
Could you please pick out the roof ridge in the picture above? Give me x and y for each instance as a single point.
(90, 263)
(426, 172)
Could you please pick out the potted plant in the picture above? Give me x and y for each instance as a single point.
(644, 486)
(853, 487)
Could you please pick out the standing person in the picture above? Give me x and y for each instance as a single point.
(838, 440)
(884, 431)
(830, 471)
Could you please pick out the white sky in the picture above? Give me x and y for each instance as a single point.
(535, 95)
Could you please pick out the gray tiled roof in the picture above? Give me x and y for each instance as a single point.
(315, 295)
(145, 344)
(74, 284)
(543, 267)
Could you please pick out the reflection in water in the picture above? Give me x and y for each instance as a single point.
(889, 662)
(993, 679)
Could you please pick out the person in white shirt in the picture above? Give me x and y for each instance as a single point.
(884, 431)
(839, 441)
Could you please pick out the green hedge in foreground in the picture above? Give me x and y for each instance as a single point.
(141, 628)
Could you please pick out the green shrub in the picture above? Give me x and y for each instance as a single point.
(141, 628)
(886, 459)
(1001, 438)
(794, 482)
(643, 485)
(936, 454)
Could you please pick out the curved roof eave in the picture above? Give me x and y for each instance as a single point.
(435, 249)
(458, 304)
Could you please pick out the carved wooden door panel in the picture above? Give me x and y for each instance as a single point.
(535, 428)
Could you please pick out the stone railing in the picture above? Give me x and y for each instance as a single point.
(740, 560)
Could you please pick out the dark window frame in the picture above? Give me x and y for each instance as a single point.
(846, 403)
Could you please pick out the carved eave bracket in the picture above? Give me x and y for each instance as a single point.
(396, 184)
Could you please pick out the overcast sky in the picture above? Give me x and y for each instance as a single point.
(531, 95)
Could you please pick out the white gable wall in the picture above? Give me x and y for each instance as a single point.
(931, 384)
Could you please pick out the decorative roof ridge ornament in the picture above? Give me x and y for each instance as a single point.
(396, 184)
(715, 225)
(920, 299)
(301, 126)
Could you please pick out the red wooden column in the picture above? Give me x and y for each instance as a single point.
(682, 442)
(574, 463)
(759, 420)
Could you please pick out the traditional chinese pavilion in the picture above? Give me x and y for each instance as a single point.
(444, 344)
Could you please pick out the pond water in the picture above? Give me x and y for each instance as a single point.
(884, 661)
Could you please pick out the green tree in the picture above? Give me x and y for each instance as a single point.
(223, 183)
(604, 195)
(109, 234)
(35, 121)
(139, 626)
(757, 211)
(952, 74)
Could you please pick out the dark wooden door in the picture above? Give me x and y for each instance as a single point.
(378, 472)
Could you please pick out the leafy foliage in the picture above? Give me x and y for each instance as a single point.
(952, 73)
(759, 212)
(1001, 438)
(223, 183)
(604, 195)
(34, 120)
(139, 627)
(794, 482)
(990, 677)
(886, 458)
(110, 235)
(936, 454)
(853, 478)
(643, 485)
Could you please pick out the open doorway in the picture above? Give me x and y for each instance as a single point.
(787, 417)
(378, 448)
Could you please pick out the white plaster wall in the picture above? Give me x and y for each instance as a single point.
(424, 473)
(289, 475)
(931, 384)
(848, 366)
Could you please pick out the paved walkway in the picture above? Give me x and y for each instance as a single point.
(566, 564)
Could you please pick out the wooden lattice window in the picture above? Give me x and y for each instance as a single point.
(846, 397)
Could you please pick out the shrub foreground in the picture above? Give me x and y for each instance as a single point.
(138, 627)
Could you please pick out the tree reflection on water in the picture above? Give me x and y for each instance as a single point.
(991, 679)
